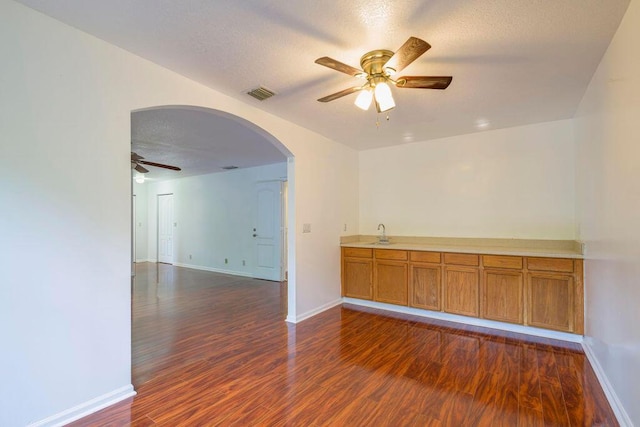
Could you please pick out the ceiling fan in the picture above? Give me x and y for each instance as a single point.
(378, 68)
(136, 161)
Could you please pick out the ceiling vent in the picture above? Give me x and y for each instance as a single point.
(228, 168)
(261, 93)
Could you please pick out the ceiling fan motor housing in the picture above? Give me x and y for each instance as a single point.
(373, 64)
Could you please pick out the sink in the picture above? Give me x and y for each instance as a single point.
(382, 243)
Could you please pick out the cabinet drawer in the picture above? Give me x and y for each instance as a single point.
(462, 259)
(358, 252)
(391, 254)
(501, 261)
(550, 264)
(419, 256)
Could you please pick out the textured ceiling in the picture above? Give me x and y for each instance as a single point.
(512, 62)
(198, 141)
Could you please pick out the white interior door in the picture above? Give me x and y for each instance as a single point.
(165, 228)
(267, 234)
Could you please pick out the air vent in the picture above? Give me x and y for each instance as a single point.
(261, 93)
(229, 167)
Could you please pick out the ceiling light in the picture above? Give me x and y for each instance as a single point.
(140, 178)
(363, 100)
(482, 124)
(384, 99)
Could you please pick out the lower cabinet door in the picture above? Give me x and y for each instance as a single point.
(461, 293)
(390, 282)
(503, 296)
(550, 301)
(424, 286)
(358, 278)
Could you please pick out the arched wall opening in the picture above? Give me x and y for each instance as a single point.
(227, 122)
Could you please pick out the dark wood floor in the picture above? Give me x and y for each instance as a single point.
(211, 349)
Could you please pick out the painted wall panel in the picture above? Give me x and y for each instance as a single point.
(508, 183)
(608, 203)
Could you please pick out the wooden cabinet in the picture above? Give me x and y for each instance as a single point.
(461, 290)
(390, 276)
(550, 301)
(390, 282)
(425, 286)
(357, 273)
(462, 284)
(555, 298)
(532, 291)
(425, 280)
(502, 292)
(502, 261)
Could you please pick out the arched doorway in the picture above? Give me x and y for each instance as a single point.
(203, 142)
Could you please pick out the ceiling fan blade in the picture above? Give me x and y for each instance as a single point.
(408, 52)
(424, 82)
(140, 169)
(338, 66)
(160, 165)
(340, 94)
(135, 157)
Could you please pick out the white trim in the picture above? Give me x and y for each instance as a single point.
(290, 319)
(618, 409)
(145, 260)
(86, 408)
(528, 330)
(213, 269)
(313, 312)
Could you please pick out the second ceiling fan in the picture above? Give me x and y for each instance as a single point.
(379, 68)
(137, 162)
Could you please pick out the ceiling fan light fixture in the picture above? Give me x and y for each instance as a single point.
(363, 101)
(140, 178)
(378, 67)
(384, 98)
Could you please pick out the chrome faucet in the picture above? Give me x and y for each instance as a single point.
(383, 238)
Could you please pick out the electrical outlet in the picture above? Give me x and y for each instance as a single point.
(306, 228)
(345, 228)
(244, 262)
(190, 256)
(226, 261)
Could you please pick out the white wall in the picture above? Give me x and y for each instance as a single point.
(141, 222)
(508, 183)
(214, 214)
(608, 206)
(65, 106)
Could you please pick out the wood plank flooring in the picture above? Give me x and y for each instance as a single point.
(211, 349)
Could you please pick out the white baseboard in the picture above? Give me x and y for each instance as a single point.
(213, 269)
(144, 260)
(86, 408)
(528, 330)
(623, 418)
(313, 312)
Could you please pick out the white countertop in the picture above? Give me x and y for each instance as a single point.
(516, 247)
